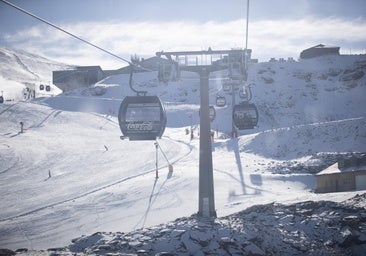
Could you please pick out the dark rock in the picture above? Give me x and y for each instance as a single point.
(57, 249)
(352, 221)
(21, 250)
(166, 254)
(352, 75)
(6, 252)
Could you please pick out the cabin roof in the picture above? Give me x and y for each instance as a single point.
(334, 168)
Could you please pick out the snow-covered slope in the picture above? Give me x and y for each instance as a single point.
(286, 93)
(69, 174)
(316, 90)
(22, 66)
(26, 70)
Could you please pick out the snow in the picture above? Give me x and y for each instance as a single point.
(70, 177)
(20, 69)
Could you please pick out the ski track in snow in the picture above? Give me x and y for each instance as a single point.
(94, 190)
(25, 67)
(77, 197)
(7, 108)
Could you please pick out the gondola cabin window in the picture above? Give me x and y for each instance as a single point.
(246, 115)
(147, 112)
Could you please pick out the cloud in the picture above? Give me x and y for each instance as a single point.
(267, 38)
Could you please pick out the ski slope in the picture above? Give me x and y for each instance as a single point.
(69, 174)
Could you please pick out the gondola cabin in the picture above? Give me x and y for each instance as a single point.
(142, 117)
(212, 113)
(220, 101)
(236, 70)
(41, 87)
(226, 87)
(244, 94)
(48, 88)
(245, 116)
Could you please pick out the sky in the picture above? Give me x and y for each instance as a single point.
(279, 28)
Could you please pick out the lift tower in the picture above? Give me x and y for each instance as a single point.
(203, 63)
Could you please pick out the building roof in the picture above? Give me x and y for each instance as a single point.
(333, 169)
(322, 46)
(88, 68)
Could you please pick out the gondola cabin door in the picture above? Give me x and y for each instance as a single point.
(142, 117)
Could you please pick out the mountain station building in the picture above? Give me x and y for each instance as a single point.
(319, 50)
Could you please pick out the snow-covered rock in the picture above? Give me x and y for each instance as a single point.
(304, 228)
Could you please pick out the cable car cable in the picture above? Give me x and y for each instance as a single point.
(70, 34)
(64, 31)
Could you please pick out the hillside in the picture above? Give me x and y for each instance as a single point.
(21, 69)
(315, 90)
(76, 179)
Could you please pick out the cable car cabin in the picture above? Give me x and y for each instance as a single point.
(142, 117)
(211, 113)
(220, 101)
(226, 87)
(236, 70)
(48, 88)
(41, 87)
(244, 94)
(245, 116)
(1, 99)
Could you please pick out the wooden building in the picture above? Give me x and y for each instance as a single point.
(345, 175)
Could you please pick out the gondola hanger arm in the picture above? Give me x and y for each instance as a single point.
(130, 82)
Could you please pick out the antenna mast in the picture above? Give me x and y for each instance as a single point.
(246, 39)
(246, 36)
